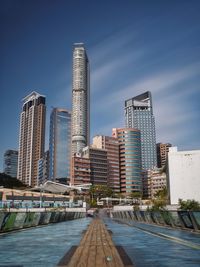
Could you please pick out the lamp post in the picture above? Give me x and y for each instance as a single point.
(40, 196)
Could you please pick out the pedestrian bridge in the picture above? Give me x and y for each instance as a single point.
(137, 243)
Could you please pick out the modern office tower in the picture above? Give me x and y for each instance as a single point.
(129, 159)
(162, 151)
(43, 168)
(80, 170)
(10, 162)
(31, 138)
(98, 165)
(80, 99)
(60, 144)
(139, 115)
(111, 144)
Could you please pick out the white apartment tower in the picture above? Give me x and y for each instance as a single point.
(31, 138)
(80, 99)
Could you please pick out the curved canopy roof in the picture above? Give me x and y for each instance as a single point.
(58, 188)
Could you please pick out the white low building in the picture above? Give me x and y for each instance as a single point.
(183, 175)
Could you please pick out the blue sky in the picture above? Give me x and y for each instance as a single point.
(133, 46)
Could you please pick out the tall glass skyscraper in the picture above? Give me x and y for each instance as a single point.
(31, 138)
(60, 144)
(139, 114)
(80, 99)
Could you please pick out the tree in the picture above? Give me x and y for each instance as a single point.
(162, 194)
(160, 200)
(135, 195)
(9, 182)
(189, 204)
(100, 191)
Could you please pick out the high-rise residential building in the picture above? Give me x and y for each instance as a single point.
(60, 144)
(111, 144)
(80, 99)
(43, 168)
(80, 170)
(162, 151)
(129, 159)
(31, 138)
(10, 162)
(139, 115)
(98, 165)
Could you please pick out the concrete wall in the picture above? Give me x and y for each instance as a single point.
(10, 221)
(183, 175)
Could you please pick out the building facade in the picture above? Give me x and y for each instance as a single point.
(129, 159)
(153, 181)
(80, 170)
(111, 144)
(146, 183)
(60, 144)
(183, 175)
(98, 165)
(43, 168)
(80, 99)
(10, 162)
(31, 138)
(162, 151)
(139, 115)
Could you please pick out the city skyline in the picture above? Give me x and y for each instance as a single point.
(129, 54)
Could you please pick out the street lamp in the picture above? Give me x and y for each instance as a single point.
(40, 196)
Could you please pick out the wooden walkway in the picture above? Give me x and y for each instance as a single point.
(96, 249)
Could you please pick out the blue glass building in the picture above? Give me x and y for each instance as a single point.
(139, 115)
(60, 144)
(10, 162)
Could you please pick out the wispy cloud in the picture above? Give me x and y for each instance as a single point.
(114, 65)
(106, 128)
(106, 72)
(170, 96)
(157, 83)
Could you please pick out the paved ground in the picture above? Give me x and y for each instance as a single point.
(154, 246)
(146, 245)
(96, 249)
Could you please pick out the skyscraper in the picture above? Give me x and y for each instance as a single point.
(60, 144)
(10, 162)
(139, 114)
(80, 99)
(129, 159)
(31, 138)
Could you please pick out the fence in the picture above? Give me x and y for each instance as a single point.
(10, 221)
(181, 219)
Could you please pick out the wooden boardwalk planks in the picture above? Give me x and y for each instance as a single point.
(96, 249)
